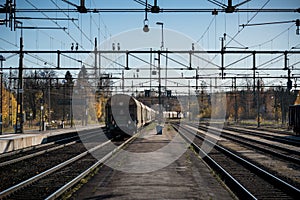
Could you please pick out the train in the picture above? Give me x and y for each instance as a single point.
(294, 118)
(126, 114)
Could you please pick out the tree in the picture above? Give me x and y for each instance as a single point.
(37, 93)
(8, 100)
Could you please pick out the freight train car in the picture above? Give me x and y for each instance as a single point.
(125, 113)
(294, 118)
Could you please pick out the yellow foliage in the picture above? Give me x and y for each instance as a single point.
(100, 106)
(6, 96)
(298, 99)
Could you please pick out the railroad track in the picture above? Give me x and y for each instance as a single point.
(280, 159)
(21, 168)
(283, 152)
(246, 180)
(273, 136)
(53, 182)
(30, 152)
(17, 172)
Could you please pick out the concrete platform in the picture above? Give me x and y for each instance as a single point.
(185, 178)
(11, 142)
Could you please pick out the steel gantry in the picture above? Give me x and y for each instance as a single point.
(127, 65)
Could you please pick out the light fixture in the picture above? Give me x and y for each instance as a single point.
(146, 27)
(146, 22)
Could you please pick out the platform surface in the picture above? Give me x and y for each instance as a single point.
(10, 141)
(185, 178)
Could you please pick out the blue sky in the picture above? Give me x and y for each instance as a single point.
(191, 24)
(203, 28)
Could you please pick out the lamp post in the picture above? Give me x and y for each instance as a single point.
(159, 127)
(1, 83)
(162, 34)
(42, 117)
(162, 48)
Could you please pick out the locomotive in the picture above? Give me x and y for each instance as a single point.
(125, 113)
(294, 118)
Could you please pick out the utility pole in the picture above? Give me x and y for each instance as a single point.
(95, 57)
(235, 102)
(189, 106)
(19, 118)
(197, 79)
(10, 100)
(222, 56)
(258, 101)
(1, 83)
(49, 99)
(254, 68)
(69, 84)
(166, 73)
(150, 70)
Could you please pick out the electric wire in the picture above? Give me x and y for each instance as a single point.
(207, 29)
(81, 31)
(53, 22)
(277, 36)
(30, 54)
(239, 31)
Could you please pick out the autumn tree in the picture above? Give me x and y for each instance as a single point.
(9, 104)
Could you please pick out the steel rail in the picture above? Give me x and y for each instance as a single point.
(35, 154)
(241, 140)
(19, 186)
(266, 136)
(226, 130)
(293, 191)
(230, 180)
(76, 180)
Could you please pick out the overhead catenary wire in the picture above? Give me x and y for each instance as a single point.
(81, 31)
(206, 30)
(275, 37)
(239, 31)
(52, 21)
(30, 54)
(99, 25)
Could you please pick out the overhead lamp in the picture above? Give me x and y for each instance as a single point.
(146, 22)
(146, 27)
